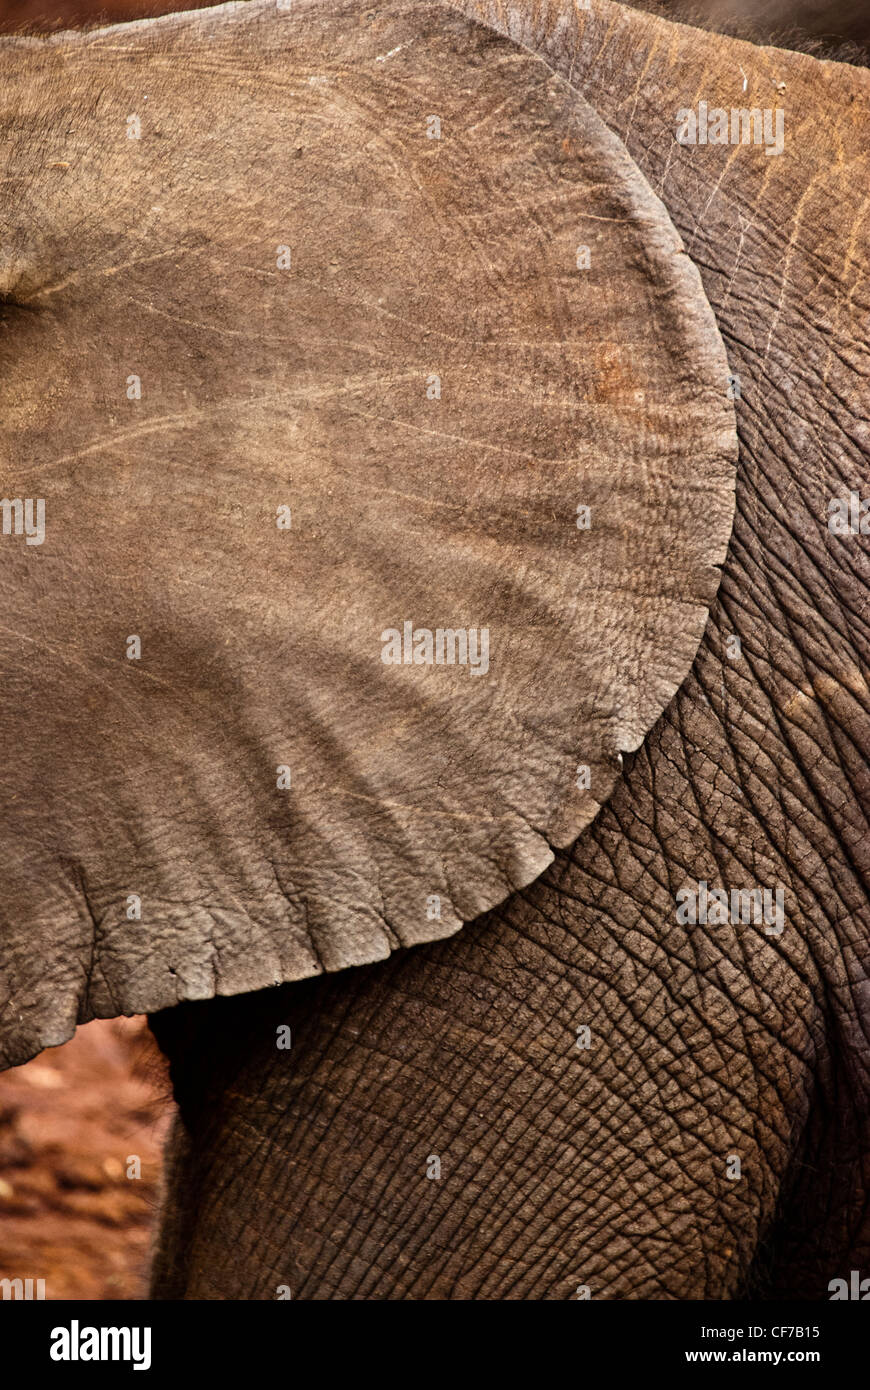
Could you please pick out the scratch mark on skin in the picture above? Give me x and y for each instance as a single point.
(502, 449)
(185, 419)
(744, 227)
(644, 70)
(206, 327)
(108, 270)
(845, 305)
(489, 115)
(593, 217)
(259, 337)
(674, 147)
(175, 250)
(382, 802)
(785, 283)
(66, 656)
(368, 307)
(605, 41)
(165, 422)
(726, 168)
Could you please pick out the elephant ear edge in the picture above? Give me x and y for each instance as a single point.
(501, 431)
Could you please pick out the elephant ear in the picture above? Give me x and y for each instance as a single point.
(382, 432)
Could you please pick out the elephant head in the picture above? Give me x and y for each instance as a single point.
(370, 443)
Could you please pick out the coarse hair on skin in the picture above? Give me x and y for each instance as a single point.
(838, 32)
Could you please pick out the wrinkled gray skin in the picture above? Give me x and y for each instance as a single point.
(831, 28)
(443, 1125)
(612, 1168)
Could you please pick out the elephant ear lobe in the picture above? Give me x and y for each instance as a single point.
(343, 627)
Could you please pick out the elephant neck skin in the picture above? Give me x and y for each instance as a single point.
(839, 30)
(581, 1091)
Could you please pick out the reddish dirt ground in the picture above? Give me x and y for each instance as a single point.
(70, 1120)
(44, 16)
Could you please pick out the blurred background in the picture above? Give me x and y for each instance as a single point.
(73, 1122)
(43, 16)
(72, 1119)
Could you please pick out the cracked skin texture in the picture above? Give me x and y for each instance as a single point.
(608, 1167)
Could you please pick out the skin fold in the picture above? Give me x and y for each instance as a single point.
(608, 1170)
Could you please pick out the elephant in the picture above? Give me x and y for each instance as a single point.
(544, 976)
(838, 31)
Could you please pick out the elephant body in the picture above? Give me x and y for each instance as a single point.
(645, 1074)
(839, 31)
(621, 1104)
